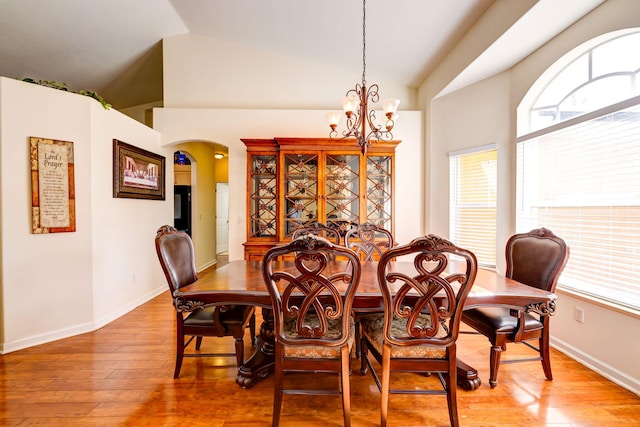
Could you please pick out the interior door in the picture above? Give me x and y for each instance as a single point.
(222, 217)
(182, 208)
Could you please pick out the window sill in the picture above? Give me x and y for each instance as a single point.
(598, 301)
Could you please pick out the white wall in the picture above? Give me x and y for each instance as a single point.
(58, 285)
(485, 113)
(227, 127)
(203, 72)
(467, 119)
(221, 92)
(126, 270)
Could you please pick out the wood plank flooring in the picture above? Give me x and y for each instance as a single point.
(122, 375)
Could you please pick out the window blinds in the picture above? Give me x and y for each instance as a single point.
(582, 181)
(472, 203)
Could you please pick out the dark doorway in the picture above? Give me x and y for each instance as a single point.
(182, 208)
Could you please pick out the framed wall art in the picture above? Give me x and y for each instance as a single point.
(137, 173)
(53, 198)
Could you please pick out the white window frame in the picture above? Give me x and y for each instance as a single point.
(476, 233)
(604, 233)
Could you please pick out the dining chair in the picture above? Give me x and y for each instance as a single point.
(176, 254)
(419, 327)
(312, 301)
(319, 229)
(368, 241)
(537, 259)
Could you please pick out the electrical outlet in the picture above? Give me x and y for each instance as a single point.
(578, 314)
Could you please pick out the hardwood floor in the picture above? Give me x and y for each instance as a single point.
(122, 375)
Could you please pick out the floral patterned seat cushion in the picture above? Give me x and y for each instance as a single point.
(372, 327)
(317, 351)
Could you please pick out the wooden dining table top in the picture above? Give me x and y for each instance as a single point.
(241, 282)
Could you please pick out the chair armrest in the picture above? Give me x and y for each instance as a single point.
(518, 332)
(217, 322)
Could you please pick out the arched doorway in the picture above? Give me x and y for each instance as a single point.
(182, 192)
(197, 183)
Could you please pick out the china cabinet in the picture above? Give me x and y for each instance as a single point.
(292, 182)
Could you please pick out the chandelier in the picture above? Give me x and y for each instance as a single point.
(361, 122)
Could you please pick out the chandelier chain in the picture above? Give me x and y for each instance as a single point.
(364, 42)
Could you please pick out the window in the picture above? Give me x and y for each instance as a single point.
(580, 177)
(472, 204)
(602, 76)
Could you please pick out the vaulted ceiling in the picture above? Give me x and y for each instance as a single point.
(90, 44)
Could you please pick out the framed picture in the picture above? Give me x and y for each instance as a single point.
(137, 173)
(53, 195)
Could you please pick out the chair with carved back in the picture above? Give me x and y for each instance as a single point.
(312, 298)
(537, 259)
(176, 254)
(318, 229)
(368, 241)
(420, 325)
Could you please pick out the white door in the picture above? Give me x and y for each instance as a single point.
(222, 217)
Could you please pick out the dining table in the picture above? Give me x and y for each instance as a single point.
(241, 282)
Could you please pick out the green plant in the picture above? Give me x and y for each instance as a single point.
(65, 87)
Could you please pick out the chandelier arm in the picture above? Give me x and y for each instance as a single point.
(371, 119)
(364, 118)
(355, 119)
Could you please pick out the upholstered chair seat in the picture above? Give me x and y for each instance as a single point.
(232, 315)
(500, 320)
(334, 331)
(372, 328)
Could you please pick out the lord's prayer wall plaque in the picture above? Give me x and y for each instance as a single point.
(52, 186)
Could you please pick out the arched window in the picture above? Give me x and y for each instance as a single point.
(578, 168)
(601, 76)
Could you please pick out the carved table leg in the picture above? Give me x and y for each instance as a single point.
(261, 362)
(467, 376)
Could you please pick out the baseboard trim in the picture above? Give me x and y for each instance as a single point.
(207, 265)
(104, 320)
(604, 369)
(78, 329)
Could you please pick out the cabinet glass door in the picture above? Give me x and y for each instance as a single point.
(342, 192)
(300, 191)
(379, 191)
(263, 196)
